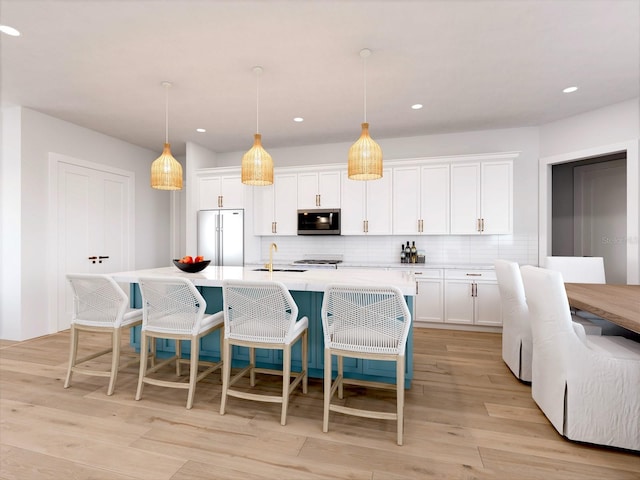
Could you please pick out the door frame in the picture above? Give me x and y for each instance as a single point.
(632, 149)
(54, 161)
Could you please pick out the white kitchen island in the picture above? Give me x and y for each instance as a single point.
(307, 289)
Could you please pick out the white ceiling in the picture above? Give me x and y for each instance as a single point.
(473, 64)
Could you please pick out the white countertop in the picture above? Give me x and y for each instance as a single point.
(385, 265)
(314, 280)
(415, 266)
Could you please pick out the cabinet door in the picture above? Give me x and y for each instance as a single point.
(263, 209)
(488, 309)
(378, 204)
(406, 204)
(232, 191)
(329, 189)
(496, 197)
(459, 304)
(285, 203)
(308, 190)
(319, 190)
(220, 192)
(434, 200)
(429, 301)
(465, 198)
(353, 211)
(209, 190)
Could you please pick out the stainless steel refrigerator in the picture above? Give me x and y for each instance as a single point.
(221, 236)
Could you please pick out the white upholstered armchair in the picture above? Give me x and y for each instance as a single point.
(588, 386)
(516, 329)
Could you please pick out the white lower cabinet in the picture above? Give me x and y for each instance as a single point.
(429, 296)
(471, 297)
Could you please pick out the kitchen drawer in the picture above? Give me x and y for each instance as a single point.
(471, 275)
(428, 273)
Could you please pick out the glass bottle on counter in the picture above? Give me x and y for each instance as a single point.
(407, 253)
(403, 257)
(414, 252)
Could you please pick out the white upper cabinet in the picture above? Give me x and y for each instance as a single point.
(496, 197)
(319, 190)
(434, 200)
(406, 200)
(220, 191)
(421, 200)
(471, 194)
(482, 198)
(275, 211)
(366, 205)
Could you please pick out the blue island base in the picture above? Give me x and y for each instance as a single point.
(309, 305)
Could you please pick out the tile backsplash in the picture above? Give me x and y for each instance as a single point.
(438, 249)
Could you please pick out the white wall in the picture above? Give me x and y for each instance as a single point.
(10, 209)
(599, 132)
(24, 312)
(612, 124)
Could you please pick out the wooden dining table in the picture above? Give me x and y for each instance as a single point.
(620, 304)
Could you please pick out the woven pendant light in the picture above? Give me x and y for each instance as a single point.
(257, 164)
(365, 156)
(166, 171)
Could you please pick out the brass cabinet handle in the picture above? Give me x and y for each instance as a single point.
(473, 274)
(317, 200)
(274, 227)
(482, 224)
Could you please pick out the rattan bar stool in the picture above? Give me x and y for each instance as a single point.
(174, 309)
(262, 315)
(369, 323)
(100, 306)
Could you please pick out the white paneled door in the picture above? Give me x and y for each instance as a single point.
(94, 222)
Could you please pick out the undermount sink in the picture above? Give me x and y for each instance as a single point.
(278, 270)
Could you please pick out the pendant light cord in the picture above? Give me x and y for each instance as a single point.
(364, 76)
(166, 85)
(257, 101)
(166, 116)
(258, 71)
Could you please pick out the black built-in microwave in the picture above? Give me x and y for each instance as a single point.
(319, 222)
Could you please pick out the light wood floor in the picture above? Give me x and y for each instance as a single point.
(467, 417)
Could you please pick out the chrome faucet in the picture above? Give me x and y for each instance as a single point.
(269, 265)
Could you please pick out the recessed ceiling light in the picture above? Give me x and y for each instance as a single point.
(416, 106)
(298, 119)
(9, 30)
(200, 130)
(570, 89)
